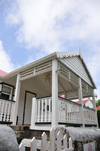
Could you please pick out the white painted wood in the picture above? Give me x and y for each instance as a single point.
(38, 110)
(65, 142)
(49, 110)
(59, 141)
(81, 100)
(17, 93)
(5, 111)
(45, 110)
(10, 104)
(52, 140)
(43, 141)
(28, 108)
(94, 105)
(42, 108)
(76, 65)
(21, 147)
(70, 142)
(33, 112)
(2, 110)
(54, 93)
(33, 144)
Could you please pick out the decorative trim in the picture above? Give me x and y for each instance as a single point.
(42, 123)
(70, 124)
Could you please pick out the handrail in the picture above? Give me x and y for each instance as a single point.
(44, 97)
(6, 99)
(69, 101)
(89, 108)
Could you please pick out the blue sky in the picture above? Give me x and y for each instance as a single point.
(31, 29)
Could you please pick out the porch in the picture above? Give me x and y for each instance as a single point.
(52, 77)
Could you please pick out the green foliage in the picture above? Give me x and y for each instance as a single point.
(48, 139)
(98, 104)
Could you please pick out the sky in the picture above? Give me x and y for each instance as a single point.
(31, 29)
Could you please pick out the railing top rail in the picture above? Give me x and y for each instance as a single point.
(6, 99)
(69, 101)
(88, 108)
(44, 97)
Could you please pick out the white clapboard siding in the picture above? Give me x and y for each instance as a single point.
(76, 65)
(60, 147)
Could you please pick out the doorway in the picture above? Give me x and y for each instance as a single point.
(27, 107)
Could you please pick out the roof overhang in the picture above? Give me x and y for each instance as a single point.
(48, 58)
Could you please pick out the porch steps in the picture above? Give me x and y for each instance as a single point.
(24, 131)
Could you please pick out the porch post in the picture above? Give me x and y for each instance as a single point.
(55, 113)
(17, 93)
(34, 111)
(94, 106)
(80, 100)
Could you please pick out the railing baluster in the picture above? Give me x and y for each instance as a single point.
(49, 110)
(39, 111)
(45, 110)
(42, 111)
(5, 110)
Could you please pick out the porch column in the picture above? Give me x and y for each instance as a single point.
(94, 106)
(81, 100)
(34, 111)
(17, 93)
(55, 110)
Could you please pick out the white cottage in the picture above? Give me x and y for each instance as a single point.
(30, 95)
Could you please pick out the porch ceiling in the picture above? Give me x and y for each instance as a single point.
(42, 84)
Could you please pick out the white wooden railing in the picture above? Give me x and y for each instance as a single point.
(44, 109)
(69, 112)
(51, 145)
(89, 115)
(6, 107)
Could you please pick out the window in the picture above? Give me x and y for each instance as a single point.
(6, 92)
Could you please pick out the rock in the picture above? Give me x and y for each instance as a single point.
(8, 140)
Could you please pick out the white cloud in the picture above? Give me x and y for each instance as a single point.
(56, 25)
(49, 24)
(5, 60)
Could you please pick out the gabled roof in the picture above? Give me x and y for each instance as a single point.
(98, 107)
(52, 56)
(2, 72)
(84, 101)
